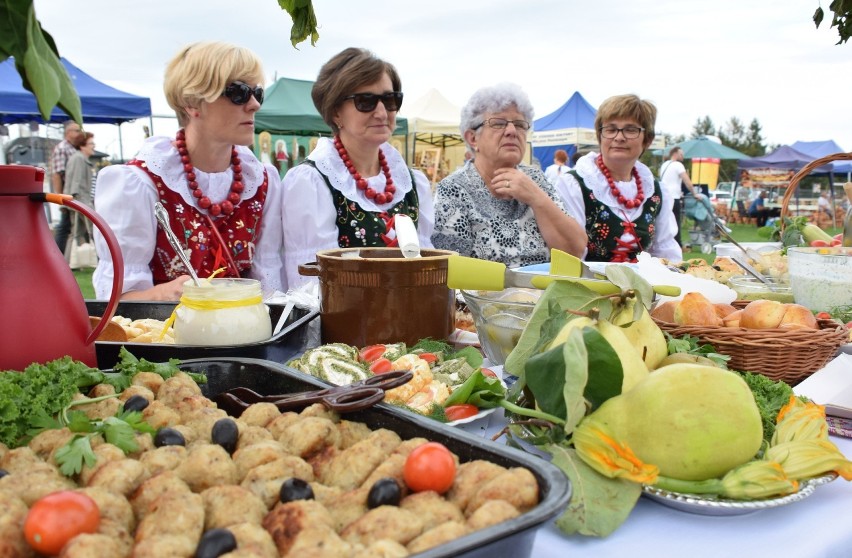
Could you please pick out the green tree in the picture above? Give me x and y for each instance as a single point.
(703, 127)
(841, 18)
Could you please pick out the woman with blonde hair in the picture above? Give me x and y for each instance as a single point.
(615, 196)
(214, 189)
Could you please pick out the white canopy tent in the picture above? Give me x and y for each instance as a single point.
(435, 141)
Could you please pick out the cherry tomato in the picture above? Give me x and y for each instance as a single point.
(823, 316)
(429, 357)
(57, 518)
(371, 353)
(488, 372)
(430, 466)
(819, 243)
(381, 366)
(461, 411)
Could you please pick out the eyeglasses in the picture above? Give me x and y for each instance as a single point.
(240, 93)
(629, 132)
(367, 102)
(501, 123)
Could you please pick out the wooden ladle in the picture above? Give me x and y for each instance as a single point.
(112, 331)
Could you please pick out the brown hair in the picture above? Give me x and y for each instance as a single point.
(81, 139)
(674, 150)
(561, 155)
(345, 72)
(628, 106)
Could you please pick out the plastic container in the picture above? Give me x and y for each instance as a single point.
(510, 538)
(500, 317)
(301, 330)
(749, 288)
(728, 250)
(222, 312)
(821, 278)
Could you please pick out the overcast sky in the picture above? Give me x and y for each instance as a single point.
(745, 58)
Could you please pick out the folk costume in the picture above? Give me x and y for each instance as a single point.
(230, 232)
(323, 207)
(619, 230)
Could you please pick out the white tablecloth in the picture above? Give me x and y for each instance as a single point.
(819, 526)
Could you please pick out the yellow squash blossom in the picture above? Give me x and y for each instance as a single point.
(751, 481)
(800, 420)
(600, 451)
(804, 459)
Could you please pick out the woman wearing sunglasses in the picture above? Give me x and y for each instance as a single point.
(614, 195)
(348, 190)
(214, 189)
(496, 208)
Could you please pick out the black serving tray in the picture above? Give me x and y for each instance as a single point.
(300, 332)
(513, 538)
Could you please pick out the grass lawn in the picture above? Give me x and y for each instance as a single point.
(741, 232)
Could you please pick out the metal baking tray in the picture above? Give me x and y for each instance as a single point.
(511, 538)
(300, 331)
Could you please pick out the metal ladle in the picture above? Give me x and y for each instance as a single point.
(756, 274)
(163, 219)
(724, 232)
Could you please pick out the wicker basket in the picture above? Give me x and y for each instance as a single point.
(803, 172)
(790, 355)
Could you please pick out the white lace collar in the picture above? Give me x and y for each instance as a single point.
(596, 182)
(329, 163)
(162, 159)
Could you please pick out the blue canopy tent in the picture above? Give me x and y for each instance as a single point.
(819, 149)
(101, 104)
(569, 127)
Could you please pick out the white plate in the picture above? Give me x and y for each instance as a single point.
(707, 505)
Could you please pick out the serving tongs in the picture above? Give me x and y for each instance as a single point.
(343, 399)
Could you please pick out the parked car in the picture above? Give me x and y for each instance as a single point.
(723, 193)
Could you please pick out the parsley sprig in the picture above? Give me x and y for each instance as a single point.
(119, 431)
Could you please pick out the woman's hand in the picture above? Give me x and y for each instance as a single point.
(170, 291)
(511, 183)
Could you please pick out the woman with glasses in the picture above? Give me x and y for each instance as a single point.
(348, 190)
(614, 195)
(214, 189)
(497, 208)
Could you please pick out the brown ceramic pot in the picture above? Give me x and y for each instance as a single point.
(382, 297)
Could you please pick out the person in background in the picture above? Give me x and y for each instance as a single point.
(79, 174)
(759, 211)
(350, 188)
(614, 195)
(58, 162)
(559, 166)
(216, 192)
(824, 204)
(494, 207)
(672, 175)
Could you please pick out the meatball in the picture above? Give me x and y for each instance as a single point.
(254, 538)
(320, 411)
(160, 415)
(250, 435)
(122, 477)
(438, 535)
(469, 479)
(46, 442)
(202, 421)
(392, 467)
(249, 457)
(104, 453)
(13, 511)
(149, 380)
(207, 465)
(165, 458)
(260, 414)
(309, 436)
(173, 514)
(112, 506)
(177, 387)
(384, 522)
(287, 523)
(19, 460)
(265, 480)
(346, 507)
(228, 505)
(491, 513)
(432, 509)
(351, 466)
(101, 409)
(159, 546)
(153, 488)
(517, 486)
(352, 432)
(137, 390)
(382, 549)
(39, 481)
(93, 545)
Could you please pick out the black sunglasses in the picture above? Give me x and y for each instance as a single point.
(239, 93)
(367, 102)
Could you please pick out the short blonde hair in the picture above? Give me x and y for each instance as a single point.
(628, 106)
(200, 72)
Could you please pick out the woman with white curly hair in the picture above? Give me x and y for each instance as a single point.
(496, 208)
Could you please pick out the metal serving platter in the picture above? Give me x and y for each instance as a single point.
(300, 331)
(511, 538)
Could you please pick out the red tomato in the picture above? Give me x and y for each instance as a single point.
(823, 316)
(488, 372)
(461, 411)
(429, 357)
(381, 366)
(57, 518)
(836, 242)
(371, 353)
(819, 243)
(430, 467)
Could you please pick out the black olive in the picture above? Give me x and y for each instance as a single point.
(214, 543)
(135, 403)
(225, 433)
(385, 492)
(3, 473)
(169, 437)
(295, 489)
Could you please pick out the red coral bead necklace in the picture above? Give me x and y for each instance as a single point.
(378, 197)
(237, 187)
(629, 204)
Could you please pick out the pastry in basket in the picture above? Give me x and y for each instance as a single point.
(147, 330)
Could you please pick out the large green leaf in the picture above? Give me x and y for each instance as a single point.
(304, 20)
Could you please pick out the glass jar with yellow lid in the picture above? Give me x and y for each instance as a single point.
(222, 312)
